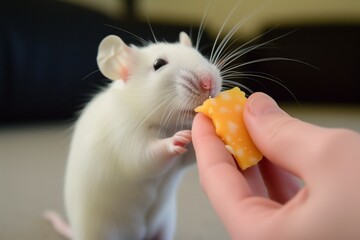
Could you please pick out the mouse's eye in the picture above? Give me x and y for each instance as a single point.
(159, 63)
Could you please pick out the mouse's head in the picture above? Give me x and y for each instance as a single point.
(165, 80)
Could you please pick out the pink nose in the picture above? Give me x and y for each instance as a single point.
(207, 83)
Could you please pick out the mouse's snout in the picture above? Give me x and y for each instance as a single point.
(207, 82)
(199, 84)
(210, 83)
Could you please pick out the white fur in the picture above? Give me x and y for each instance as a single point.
(125, 159)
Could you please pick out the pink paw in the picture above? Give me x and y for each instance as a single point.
(179, 141)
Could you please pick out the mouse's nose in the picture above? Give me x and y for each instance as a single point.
(207, 82)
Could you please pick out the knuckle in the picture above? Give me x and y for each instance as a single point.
(337, 142)
(332, 149)
(275, 133)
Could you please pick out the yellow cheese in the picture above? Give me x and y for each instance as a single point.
(226, 112)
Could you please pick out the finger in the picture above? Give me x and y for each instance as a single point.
(287, 142)
(255, 180)
(281, 185)
(227, 189)
(219, 176)
(212, 156)
(252, 175)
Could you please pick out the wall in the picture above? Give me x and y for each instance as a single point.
(264, 12)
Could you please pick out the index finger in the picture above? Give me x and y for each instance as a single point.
(219, 176)
(226, 187)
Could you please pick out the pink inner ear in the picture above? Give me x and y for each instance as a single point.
(124, 73)
(185, 39)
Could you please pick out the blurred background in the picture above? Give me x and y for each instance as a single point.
(48, 73)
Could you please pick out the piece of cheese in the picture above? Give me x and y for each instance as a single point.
(226, 112)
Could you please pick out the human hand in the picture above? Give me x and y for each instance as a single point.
(267, 201)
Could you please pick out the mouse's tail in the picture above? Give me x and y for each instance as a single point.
(59, 224)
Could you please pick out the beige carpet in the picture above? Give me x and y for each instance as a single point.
(32, 161)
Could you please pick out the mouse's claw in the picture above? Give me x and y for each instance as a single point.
(164, 150)
(179, 141)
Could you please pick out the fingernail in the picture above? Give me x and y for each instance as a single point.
(260, 104)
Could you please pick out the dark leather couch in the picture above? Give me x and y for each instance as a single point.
(48, 49)
(48, 53)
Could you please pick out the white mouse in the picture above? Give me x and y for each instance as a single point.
(132, 141)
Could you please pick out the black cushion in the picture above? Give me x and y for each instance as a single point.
(47, 50)
(332, 50)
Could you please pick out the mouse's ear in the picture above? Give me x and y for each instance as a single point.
(113, 58)
(185, 39)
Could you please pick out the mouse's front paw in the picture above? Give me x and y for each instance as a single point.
(179, 141)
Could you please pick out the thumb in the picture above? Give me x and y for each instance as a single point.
(287, 142)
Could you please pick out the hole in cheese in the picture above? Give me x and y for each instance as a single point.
(226, 113)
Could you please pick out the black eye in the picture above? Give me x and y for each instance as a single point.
(159, 63)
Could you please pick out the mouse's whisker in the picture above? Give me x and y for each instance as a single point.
(222, 46)
(184, 115)
(268, 59)
(269, 77)
(225, 44)
(239, 76)
(257, 76)
(229, 57)
(227, 84)
(88, 75)
(151, 112)
(167, 115)
(166, 121)
(222, 28)
(202, 27)
(140, 39)
(151, 28)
